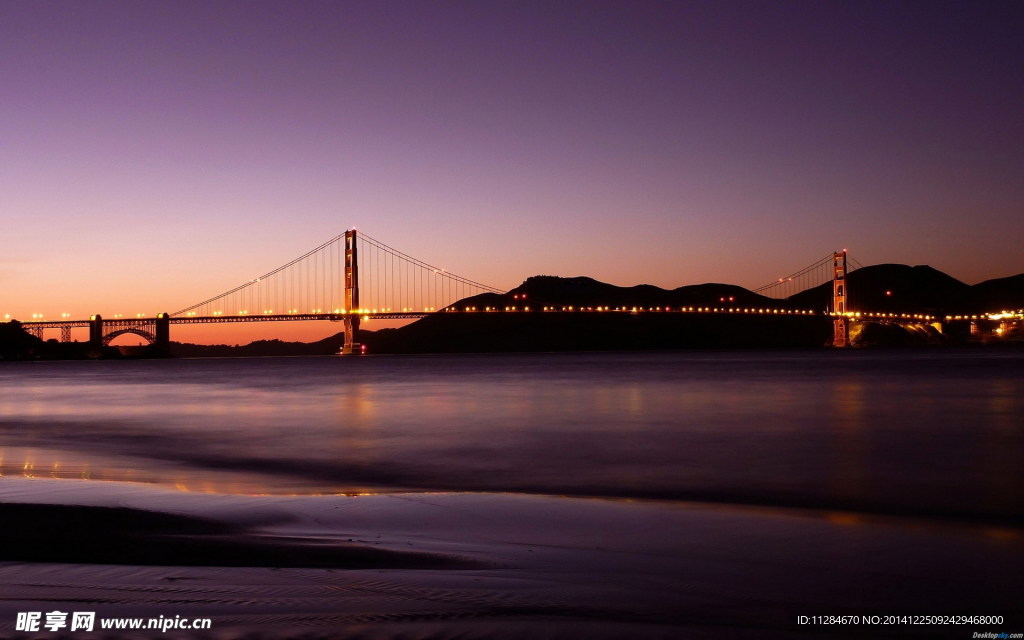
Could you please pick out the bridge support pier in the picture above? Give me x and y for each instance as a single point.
(162, 335)
(96, 333)
(351, 347)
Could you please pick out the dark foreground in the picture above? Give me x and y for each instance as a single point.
(492, 566)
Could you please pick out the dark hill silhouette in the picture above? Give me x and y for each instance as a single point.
(539, 331)
(581, 291)
(891, 288)
(997, 295)
(881, 288)
(16, 343)
(918, 289)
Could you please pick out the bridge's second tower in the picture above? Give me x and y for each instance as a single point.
(351, 294)
(840, 321)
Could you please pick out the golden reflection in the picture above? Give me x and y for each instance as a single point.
(357, 413)
(356, 404)
(635, 399)
(1002, 450)
(1003, 402)
(844, 518)
(856, 328)
(1001, 533)
(605, 399)
(848, 474)
(62, 465)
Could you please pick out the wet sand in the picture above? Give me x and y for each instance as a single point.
(484, 565)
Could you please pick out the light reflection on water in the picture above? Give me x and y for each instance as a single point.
(932, 431)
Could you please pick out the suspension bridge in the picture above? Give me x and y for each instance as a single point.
(354, 277)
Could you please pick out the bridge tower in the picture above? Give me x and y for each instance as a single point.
(840, 322)
(351, 294)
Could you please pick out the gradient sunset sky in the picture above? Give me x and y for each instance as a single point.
(153, 154)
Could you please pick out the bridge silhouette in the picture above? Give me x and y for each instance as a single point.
(354, 277)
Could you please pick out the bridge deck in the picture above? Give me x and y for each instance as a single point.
(409, 315)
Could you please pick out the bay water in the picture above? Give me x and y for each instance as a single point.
(932, 433)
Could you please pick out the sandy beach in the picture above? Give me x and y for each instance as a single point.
(450, 565)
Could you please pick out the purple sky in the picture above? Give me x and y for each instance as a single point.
(155, 153)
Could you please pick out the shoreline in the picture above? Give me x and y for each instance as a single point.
(238, 352)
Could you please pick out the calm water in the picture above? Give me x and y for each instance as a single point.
(931, 432)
